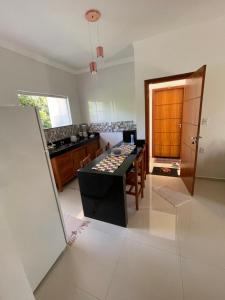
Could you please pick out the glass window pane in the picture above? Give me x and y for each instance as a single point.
(53, 111)
(59, 112)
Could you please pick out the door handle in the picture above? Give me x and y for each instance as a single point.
(195, 139)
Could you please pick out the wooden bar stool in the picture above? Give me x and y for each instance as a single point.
(145, 162)
(107, 147)
(85, 161)
(135, 179)
(98, 152)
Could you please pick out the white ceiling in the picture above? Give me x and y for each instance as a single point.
(57, 30)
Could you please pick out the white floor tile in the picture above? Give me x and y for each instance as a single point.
(91, 274)
(61, 283)
(81, 295)
(162, 250)
(202, 282)
(91, 242)
(143, 226)
(204, 241)
(145, 273)
(201, 224)
(110, 229)
(74, 184)
(71, 202)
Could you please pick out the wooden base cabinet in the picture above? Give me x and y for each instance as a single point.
(65, 165)
(92, 148)
(77, 156)
(62, 167)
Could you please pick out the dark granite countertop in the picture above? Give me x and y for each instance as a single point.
(120, 171)
(70, 146)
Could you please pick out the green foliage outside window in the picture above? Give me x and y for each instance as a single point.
(37, 101)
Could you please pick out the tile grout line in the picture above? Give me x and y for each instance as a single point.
(146, 244)
(190, 257)
(179, 255)
(77, 286)
(88, 293)
(114, 270)
(182, 282)
(202, 262)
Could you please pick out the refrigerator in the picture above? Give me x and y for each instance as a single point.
(28, 193)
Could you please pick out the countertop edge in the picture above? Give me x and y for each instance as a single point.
(75, 146)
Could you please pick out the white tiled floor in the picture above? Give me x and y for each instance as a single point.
(165, 253)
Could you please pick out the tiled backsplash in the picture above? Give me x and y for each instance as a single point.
(112, 126)
(58, 133)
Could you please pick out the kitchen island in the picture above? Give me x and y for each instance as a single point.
(103, 194)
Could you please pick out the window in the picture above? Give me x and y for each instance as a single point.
(53, 111)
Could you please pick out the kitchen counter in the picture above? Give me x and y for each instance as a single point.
(71, 146)
(103, 194)
(120, 171)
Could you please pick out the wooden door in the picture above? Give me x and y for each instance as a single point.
(192, 107)
(166, 122)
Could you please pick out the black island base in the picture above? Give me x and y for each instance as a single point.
(103, 194)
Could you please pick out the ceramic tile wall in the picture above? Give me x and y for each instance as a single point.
(112, 126)
(58, 133)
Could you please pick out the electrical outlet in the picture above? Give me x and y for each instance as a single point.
(201, 150)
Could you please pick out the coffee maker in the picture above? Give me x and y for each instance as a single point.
(83, 130)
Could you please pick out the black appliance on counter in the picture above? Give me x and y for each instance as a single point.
(127, 136)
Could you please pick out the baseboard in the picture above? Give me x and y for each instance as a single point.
(211, 178)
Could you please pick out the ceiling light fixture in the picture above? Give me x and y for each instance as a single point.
(93, 67)
(100, 52)
(93, 16)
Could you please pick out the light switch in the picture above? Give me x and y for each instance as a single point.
(205, 121)
(201, 150)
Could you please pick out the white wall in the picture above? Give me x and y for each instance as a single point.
(13, 281)
(114, 86)
(18, 72)
(185, 50)
(110, 137)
